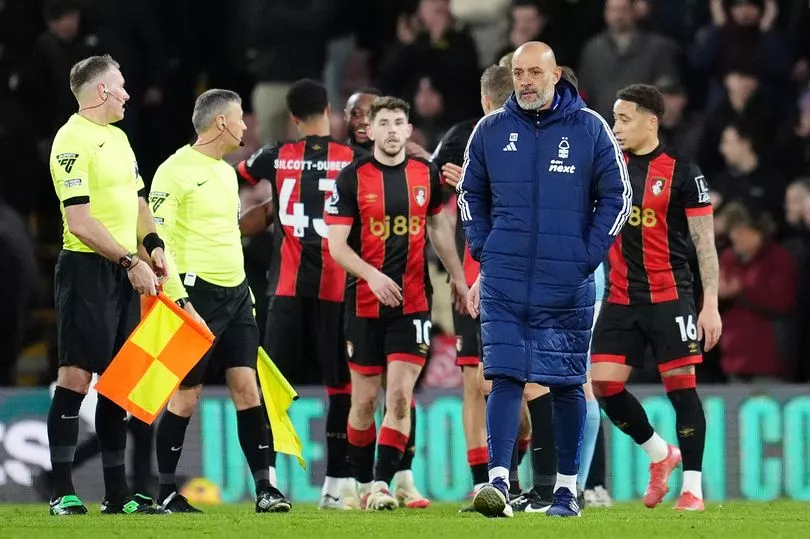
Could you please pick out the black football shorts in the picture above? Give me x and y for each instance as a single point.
(304, 338)
(228, 311)
(372, 343)
(623, 332)
(96, 310)
(468, 340)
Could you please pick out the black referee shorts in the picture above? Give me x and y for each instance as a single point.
(304, 338)
(96, 310)
(228, 311)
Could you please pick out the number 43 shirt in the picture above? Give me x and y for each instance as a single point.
(302, 175)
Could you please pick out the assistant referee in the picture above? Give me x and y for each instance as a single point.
(195, 199)
(106, 219)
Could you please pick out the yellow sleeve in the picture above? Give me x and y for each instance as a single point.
(165, 199)
(70, 169)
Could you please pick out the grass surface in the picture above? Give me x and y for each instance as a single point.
(735, 519)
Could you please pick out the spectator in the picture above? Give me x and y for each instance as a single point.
(531, 21)
(17, 282)
(792, 150)
(64, 43)
(286, 42)
(488, 23)
(680, 128)
(758, 291)
(746, 178)
(622, 55)
(431, 45)
(744, 34)
(742, 102)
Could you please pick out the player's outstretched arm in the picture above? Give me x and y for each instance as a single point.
(383, 287)
(701, 228)
(256, 219)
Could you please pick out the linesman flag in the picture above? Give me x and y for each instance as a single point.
(278, 396)
(154, 359)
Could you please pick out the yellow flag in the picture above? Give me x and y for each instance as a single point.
(278, 396)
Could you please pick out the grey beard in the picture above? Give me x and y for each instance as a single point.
(545, 98)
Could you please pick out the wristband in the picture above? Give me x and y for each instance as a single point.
(151, 242)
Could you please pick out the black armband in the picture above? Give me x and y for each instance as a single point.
(152, 241)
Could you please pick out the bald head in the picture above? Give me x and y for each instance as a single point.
(534, 73)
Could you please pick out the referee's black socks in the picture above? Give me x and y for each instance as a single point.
(63, 433)
(171, 432)
(254, 437)
(111, 428)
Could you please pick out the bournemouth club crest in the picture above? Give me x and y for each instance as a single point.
(657, 186)
(420, 195)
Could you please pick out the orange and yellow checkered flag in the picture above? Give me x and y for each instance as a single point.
(155, 358)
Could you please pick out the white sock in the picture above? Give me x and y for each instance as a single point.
(656, 448)
(403, 478)
(272, 476)
(331, 486)
(692, 483)
(499, 471)
(566, 481)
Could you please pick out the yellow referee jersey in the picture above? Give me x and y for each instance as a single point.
(195, 203)
(92, 163)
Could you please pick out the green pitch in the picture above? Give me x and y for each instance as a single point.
(737, 520)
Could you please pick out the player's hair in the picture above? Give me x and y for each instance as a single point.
(646, 97)
(569, 75)
(88, 70)
(53, 10)
(388, 102)
(801, 181)
(506, 60)
(738, 214)
(496, 83)
(209, 105)
(307, 98)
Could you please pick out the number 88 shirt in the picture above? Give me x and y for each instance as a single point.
(648, 297)
(306, 285)
(387, 208)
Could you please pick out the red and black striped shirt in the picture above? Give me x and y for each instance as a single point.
(649, 259)
(302, 174)
(387, 207)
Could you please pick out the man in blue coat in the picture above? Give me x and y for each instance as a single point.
(544, 193)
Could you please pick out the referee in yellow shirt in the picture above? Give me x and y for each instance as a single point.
(195, 201)
(106, 220)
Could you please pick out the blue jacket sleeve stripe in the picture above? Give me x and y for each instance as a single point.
(624, 214)
(463, 205)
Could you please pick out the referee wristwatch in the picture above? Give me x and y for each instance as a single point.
(182, 302)
(128, 261)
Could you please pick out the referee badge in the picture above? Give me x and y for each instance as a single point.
(657, 186)
(420, 195)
